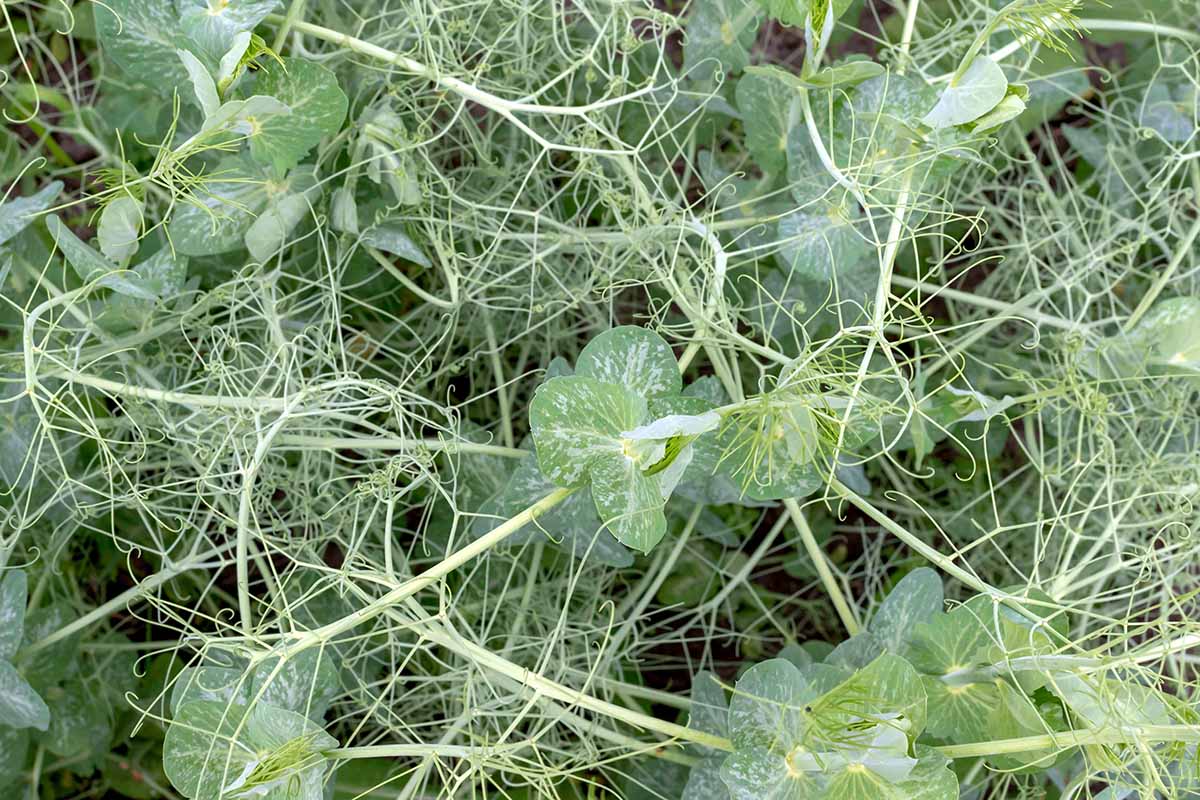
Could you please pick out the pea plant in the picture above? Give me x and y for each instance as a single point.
(705, 400)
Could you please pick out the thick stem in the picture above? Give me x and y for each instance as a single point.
(1081, 738)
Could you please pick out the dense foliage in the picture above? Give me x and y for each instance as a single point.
(723, 400)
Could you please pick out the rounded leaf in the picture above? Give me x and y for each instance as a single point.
(633, 357)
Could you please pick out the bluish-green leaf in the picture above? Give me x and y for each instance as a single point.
(13, 592)
(915, 599)
(14, 748)
(79, 725)
(978, 91)
(91, 266)
(120, 228)
(20, 705)
(318, 107)
(576, 420)
(269, 233)
(766, 103)
(16, 213)
(720, 33)
(212, 748)
(142, 37)
(390, 237)
(204, 89)
(633, 357)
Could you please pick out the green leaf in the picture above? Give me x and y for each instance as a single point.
(214, 750)
(1106, 703)
(576, 420)
(978, 91)
(244, 118)
(142, 37)
(888, 686)
(767, 706)
(16, 213)
(20, 705)
(630, 502)
(772, 453)
(1014, 716)
(719, 36)
(959, 713)
(847, 73)
(633, 357)
(120, 228)
(213, 24)
(917, 598)
(1008, 109)
(204, 89)
(951, 642)
(795, 12)
(78, 724)
(91, 266)
(268, 234)
(390, 237)
(765, 103)
(318, 107)
(218, 219)
(13, 592)
(14, 748)
(1168, 336)
(825, 246)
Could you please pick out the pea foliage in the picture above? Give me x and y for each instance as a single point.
(721, 400)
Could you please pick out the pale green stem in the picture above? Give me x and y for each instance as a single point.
(435, 573)
(121, 601)
(906, 36)
(981, 301)
(844, 610)
(303, 441)
(1080, 738)
(419, 750)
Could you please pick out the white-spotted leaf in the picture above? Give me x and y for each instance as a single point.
(576, 420)
(633, 357)
(318, 107)
(20, 704)
(13, 591)
(629, 501)
(215, 750)
(142, 37)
